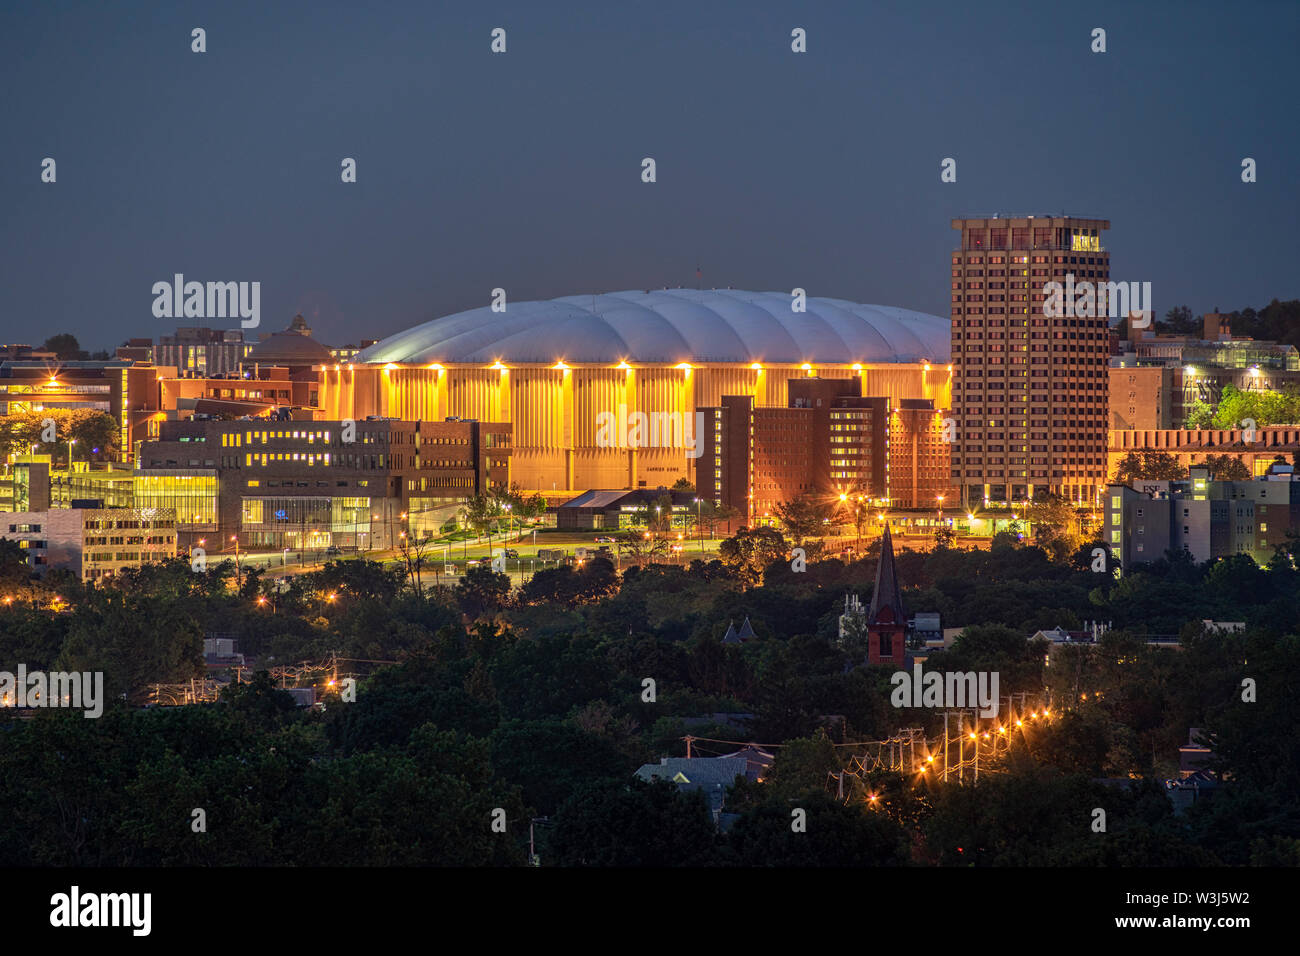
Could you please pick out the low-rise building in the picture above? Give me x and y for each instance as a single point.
(93, 543)
(1259, 449)
(1208, 519)
(609, 509)
(309, 486)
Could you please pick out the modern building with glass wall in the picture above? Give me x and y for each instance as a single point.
(307, 486)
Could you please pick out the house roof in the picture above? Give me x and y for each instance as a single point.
(696, 772)
(756, 760)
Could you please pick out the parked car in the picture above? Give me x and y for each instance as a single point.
(511, 553)
(605, 539)
(333, 549)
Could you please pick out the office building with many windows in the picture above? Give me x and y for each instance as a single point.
(307, 486)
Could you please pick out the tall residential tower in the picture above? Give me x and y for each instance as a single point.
(1030, 393)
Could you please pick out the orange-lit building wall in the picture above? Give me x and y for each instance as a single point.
(555, 410)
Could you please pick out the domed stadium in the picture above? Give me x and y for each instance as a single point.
(553, 368)
(723, 326)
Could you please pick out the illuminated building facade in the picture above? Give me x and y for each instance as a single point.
(559, 370)
(830, 442)
(306, 486)
(1030, 398)
(202, 351)
(1208, 519)
(255, 392)
(126, 391)
(1158, 379)
(92, 543)
(1258, 450)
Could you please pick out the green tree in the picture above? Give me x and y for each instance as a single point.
(95, 433)
(1226, 468)
(482, 591)
(803, 517)
(1150, 465)
(551, 760)
(835, 835)
(1055, 523)
(1179, 321)
(633, 824)
(1200, 415)
(65, 346)
(750, 551)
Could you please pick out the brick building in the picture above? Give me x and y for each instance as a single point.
(830, 441)
(91, 543)
(1031, 390)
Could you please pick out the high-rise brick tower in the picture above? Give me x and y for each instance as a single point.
(1030, 394)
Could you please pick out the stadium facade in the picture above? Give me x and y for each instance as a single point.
(560, 371)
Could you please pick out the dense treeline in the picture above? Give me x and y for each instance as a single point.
(532, 702)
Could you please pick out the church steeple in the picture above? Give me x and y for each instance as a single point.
(886, 622)
(885, 597)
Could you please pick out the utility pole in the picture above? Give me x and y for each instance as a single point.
(961, 758)
(688, 738)
(945, 746)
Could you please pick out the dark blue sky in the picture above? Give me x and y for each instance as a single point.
(522, 170)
